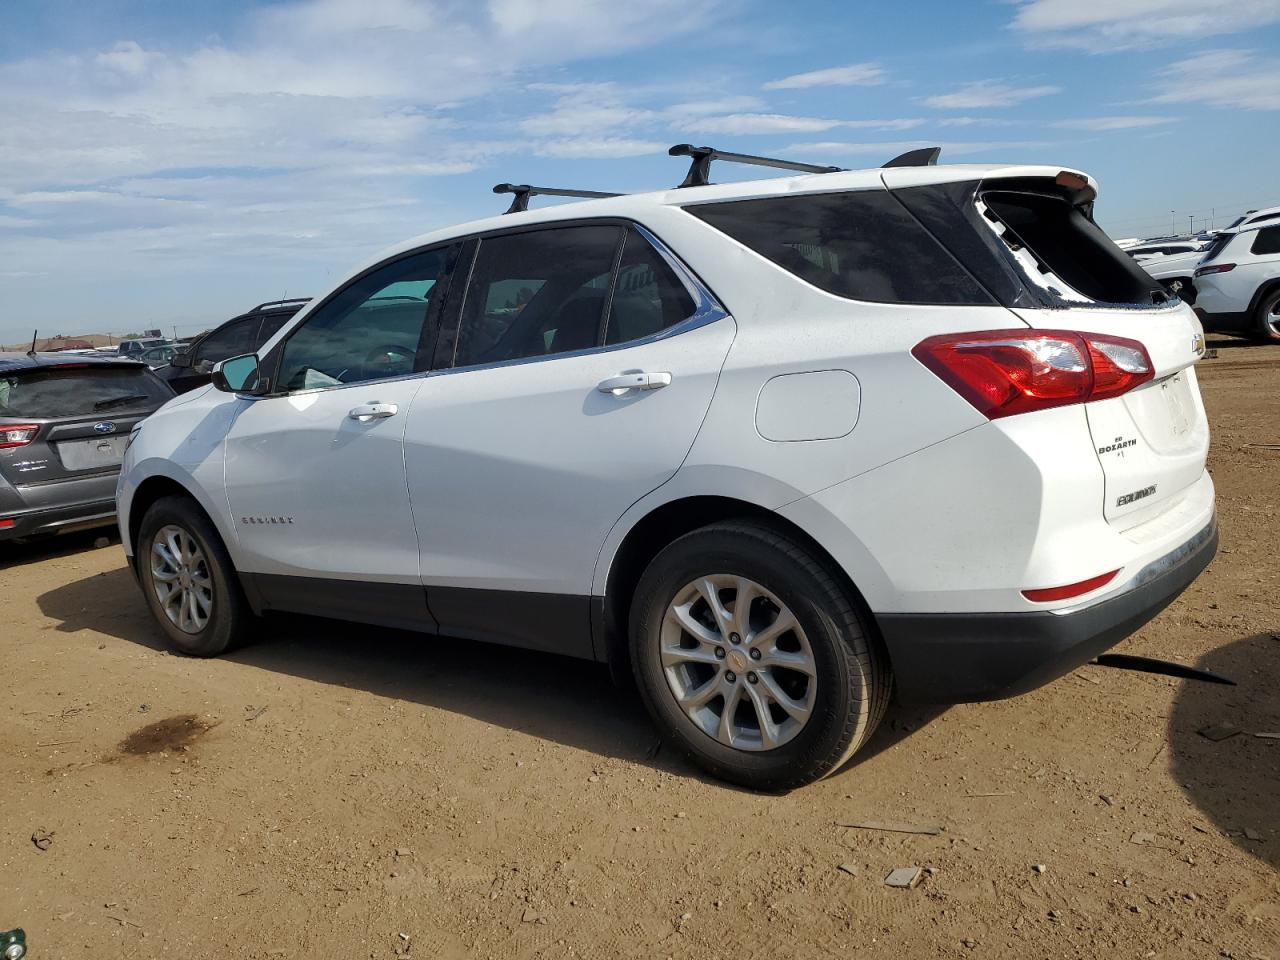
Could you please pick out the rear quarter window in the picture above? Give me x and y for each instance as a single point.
(74, 392)
(858, 245)
(1267, 241)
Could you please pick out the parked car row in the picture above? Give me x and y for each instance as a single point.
(1233, 279)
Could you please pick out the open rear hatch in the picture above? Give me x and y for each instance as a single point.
(1033, 242)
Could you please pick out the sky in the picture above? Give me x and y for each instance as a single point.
(170, 165)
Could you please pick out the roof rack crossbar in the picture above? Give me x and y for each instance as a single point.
(923, 157)
(277, 303)
(522, 191)
(700, 169)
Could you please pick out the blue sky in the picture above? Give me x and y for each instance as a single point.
(169, 164)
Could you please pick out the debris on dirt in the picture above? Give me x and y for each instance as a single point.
(1219, 731)
(529, 916)
(256, 714)
(890, 827)
(248, 893)
(968, 943)
(1251, 834)
(403, 936)
(144, 707)
(1107, 799)
(850, 868)
(169, 734)
(1039, 868)
(56, 743)
(1002, 793)
(594, 778)
(903, 877)
(402, 851)
(1268, 736)
(42, 838)
(101, 542)
(1141, 837)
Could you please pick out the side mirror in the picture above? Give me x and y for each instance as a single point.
(181, 359)
(239, 375)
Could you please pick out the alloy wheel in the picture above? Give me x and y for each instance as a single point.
(738, 663)
(181, 579)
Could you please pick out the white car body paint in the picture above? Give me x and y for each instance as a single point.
(524, 478)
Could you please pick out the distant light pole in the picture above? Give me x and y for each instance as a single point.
(1173, 221)
(1191, 223)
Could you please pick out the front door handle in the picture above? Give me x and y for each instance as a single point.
(638, 380)
(373, 411)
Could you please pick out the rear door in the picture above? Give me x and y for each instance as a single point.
(564, 398)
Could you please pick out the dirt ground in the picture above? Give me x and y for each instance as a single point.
(338, 791)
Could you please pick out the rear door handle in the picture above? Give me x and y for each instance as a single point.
(634, 381)
(373, 411)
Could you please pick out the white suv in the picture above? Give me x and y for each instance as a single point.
(776, 449)
(1238, 282)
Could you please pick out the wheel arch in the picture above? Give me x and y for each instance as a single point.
(662, 525)
(162, 483)
(1265, 289)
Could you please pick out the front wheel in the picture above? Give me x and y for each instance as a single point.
(188, 579)
(752, 658)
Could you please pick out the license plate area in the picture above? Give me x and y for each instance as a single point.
(95, 453)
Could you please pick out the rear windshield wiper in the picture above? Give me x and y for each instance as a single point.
(116, 401)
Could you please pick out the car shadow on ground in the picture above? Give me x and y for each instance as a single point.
(1233, 781)
(18, 554)
(569, 701)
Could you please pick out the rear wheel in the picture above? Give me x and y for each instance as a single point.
(752, 658)
(188, 580)
(1267, 318)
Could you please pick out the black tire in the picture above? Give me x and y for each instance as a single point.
(852, 673)
(230, 619)
(1265, 314)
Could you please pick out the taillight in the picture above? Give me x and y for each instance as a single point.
(1071, 589)
(1214, 268)
(17, 434)
(7, 523)
(1005, 372)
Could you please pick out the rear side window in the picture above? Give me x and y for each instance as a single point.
(536, 294)
(1267, 241)
(859, 245)
(648, 297)
(85, 391)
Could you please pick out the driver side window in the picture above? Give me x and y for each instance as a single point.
(373, 329)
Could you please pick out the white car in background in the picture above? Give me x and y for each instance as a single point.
(776, 449)
(1238, 281)
(1145, 253)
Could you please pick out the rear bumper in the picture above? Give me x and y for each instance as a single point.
(964, 657)
(64, 519)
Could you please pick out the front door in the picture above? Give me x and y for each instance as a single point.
(574, 388)
(315, 473)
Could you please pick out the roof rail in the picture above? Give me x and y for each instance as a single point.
(522, 191)
(700, 169)
(280, 303)
(924, 157)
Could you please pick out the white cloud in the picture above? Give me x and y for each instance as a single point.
(888, 150)
(853, 75)
(598, 148)
(765, 123)
(1222, 78)
(972, 122)
(1109, 25)
(1114, 123)
(984, 94)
